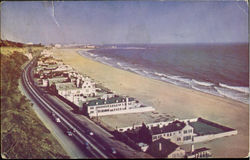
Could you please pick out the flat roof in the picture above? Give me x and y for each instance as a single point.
(205, 127)
(66, 86)
(111, 100)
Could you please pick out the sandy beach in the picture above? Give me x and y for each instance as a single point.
(169, 101)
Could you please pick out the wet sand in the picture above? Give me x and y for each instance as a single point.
(169, 101)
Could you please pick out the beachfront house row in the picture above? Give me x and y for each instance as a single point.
(113, 105)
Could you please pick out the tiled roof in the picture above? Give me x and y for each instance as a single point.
(167, 147)
(116, 99)
(171, 127)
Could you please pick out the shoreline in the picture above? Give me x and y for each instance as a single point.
(218, 89)
(169, 101)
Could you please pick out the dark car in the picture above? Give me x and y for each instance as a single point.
(69, 133)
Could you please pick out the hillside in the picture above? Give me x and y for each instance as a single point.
(23, 135)
(7, 43)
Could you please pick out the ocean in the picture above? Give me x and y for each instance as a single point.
(218, 69)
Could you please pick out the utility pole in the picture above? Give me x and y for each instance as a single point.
(96, 114)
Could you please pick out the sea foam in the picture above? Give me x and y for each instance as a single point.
(238, 93)
(239, 96)
(207, 84)
(237, 88)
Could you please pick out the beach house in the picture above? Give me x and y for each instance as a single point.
(177, 131)
(70, 92)
(113, 105)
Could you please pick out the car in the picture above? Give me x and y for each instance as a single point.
(73, 130)
(53, 114)
(113, 151)
(86, 144)
(58, 120)
(91, 133)
(69, 133)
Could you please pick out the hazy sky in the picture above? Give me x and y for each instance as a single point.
(125, 22)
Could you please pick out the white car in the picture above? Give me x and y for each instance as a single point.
(58, 120)
(113, 151)
(91, 133)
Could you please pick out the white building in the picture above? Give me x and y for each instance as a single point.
(73, 93)
(88, 86)
(113, 105)
(177, 131)
(45, 82)
(90, 46)
(70, 92)
(58, 45)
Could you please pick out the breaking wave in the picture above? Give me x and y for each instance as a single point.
(237, 88)
(207, 84)
(238, 93)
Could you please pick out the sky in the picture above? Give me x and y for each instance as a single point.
(110, 22)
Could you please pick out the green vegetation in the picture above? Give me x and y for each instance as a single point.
(23, 135)
(6, 43)
(133, 136)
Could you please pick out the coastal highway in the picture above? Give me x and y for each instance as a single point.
(91, 139)
(37, 96)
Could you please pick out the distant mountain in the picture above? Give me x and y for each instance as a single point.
(7, 43)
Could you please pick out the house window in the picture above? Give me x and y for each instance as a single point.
(185, 138)
(91, 111)
(179, 139)
(185, 131)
